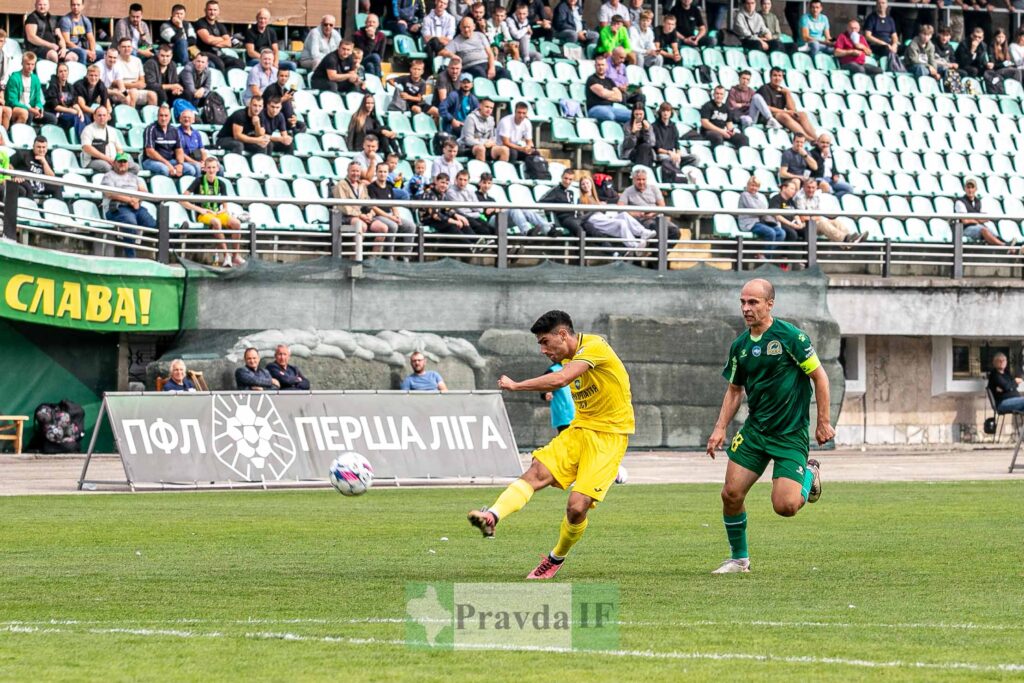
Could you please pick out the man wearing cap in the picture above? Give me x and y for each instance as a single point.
(978, 229)
(458, 105)
(123, 208)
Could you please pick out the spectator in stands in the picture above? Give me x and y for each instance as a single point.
(515, 133)
(261, 76)
(852, 51)
(745, 106)
(112, 77)
(132, 76)
(796, 161)
(920, 57)
(250, 377)
(446, 81)
(716, 123)
(618, 225)
(162, 76)
(978, 14)
(90, 93)
(477, 57)
(978, 229)
(815, 35)
(752, 31)
(411, 92)
(614, 35)
(617, 60)
(397, 178)
(365, 122)
(76, 29)
(243, 131)
(568, 24)
(370, 39)
(764, 227)
(478, 135)
(191, 140)
(137, 30)
(440, 218)
(668, 41)
(337, 71)
(5, 111)
(771, 20)
(43, 37)
(400, 227)
(195, 80)
(179, 34)
(811, 200)
(284, 91)
(422, 379)
(438, 30)
(1005, 67)
(24, 93)
(215, 215)
(827, 173)
(690, 25)
(526, 221)
(368, 158)
(320, 42)
(162, 153)
(1005, 387)
(212, 36)
(362, 218)
(666, 146)
(35, 160)
(641, 39)
(177, 380)
(611, 9)
(563, 193)
(972, 55)
(604, 100)
(792, 225)
(498, 35)
(643, 192)
(460, 191)
(406, 17)
(638, 139)
(519, 29)
(288, 377)
(457, 106)
(101, 143)
(782, 106)
(122, 208)
(60, 102)
(540, 16)
(261, 36)
(881, 32)
(275, 125)
(1016, 49)
(945, 54)
(447, 163)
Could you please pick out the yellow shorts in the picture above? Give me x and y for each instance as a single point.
(589, 458)
(223, 217)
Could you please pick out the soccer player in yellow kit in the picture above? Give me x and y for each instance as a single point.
(588, 453)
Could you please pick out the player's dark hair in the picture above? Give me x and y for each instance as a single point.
(551, 321)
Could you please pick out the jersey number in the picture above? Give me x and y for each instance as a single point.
(736, 442)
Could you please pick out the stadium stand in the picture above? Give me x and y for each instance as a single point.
(901, 142)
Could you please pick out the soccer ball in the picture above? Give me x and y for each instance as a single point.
(623, 476)
(351, 474)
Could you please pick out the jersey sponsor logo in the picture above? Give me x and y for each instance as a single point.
(799, 469)
(808, 352)
(756, 351)
(774, 348)
(743, 353)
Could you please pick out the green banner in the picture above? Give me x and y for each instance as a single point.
(88, 293)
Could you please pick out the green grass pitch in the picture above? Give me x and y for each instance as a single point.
(902, 581)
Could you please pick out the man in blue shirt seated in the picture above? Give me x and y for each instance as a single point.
(422, 379)
(288, 376)
(251, 378)
(178, 381)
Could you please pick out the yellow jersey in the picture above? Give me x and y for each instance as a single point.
(603, 400)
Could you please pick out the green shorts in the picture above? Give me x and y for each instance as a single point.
(753, 450)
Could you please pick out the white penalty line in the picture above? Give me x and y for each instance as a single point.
(628, 654)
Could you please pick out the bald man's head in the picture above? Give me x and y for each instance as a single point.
(756, 302)
(766, 289)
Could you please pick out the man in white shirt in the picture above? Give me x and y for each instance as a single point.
(611, 9)
(368, 158)
(101, 143)
(829, 228)
(111, 75)
(320, 42)
(132, 74)
(438, 30)
(516, 133)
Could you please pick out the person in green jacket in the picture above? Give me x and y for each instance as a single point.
(615, 35)
(27, 104)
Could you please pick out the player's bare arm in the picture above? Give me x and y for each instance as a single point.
(730, 404)
(824, 432)
(548, 381)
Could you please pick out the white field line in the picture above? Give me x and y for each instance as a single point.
(631, 654)
(655, 624)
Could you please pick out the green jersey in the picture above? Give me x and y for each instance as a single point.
(773, 369)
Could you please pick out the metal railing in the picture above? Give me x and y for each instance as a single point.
(167, 242)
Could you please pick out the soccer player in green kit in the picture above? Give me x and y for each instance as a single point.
(775, 363)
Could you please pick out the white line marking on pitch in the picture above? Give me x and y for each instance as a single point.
(638, 654)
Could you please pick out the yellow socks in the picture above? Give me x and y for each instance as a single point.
(568, 534)
(512, 499)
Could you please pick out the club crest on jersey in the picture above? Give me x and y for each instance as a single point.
(577, 383)
(774, 348)
(756, 351)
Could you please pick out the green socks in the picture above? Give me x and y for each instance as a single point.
(736, 530)
(805, 489)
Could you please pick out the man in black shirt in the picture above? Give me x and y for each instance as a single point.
(243, 131)
(604, 99)
(337, 71)
(715, 122)
(162, 76)
(690, 25)
(412, 89)
(276, 126)
(89, 92)
(667, 41)
(212, 36)
(1004, 386)
(35, 160)
(401, 228)
(441, 218)
(793, 225)
(782, 106)
(282, 91)
(42, 36)
(262, 35)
